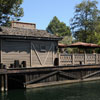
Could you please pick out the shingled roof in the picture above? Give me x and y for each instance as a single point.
(84, 45)
(9, 31)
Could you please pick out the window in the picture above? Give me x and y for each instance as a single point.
(43, 48)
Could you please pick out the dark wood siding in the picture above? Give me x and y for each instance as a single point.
(40, 58)
(14, 50)
(29, 51)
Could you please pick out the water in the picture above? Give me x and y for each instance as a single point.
(78, 91)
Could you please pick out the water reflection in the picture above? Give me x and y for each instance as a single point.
(79, 91)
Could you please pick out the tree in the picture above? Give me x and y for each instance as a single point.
(10, 10)
(58, 28)
(66, 40)
(85, 22)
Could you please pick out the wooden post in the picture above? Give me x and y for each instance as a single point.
(72, 59)
(59, 59)
(0, 51)
(26, 80)
(81, 76)
(31, 54)
(57, 77)
(2, 83)
(53, 54)
(96, 58)
(6, 82)
(85, 60)
(1, 66)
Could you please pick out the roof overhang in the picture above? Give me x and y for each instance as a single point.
(28, 37)
(83, 45)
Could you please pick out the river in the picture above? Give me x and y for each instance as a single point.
(77, 91)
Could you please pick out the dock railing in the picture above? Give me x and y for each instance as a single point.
(78, 59)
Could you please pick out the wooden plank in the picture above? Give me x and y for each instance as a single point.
(59, 59)
(77, 58)
(42, 58)
(47, 55)
(90, 75)
(60, 82)
(68, 75)
(96, 58)
(2, 82)
(53, 50)
(85, 58)
(6, 82)
(73, 59)
(49, 69)
(1, 50)
(41, 78)
(15, 51)
(31, 54)
(37, 54)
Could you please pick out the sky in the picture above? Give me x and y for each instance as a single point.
(41, 12)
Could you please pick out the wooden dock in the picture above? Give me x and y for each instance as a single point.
(46, 76)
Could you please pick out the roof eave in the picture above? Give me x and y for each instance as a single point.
(28, 37)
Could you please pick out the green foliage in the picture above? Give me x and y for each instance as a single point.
(67, 40)
(58, 28)
(10, 10)
(85, 22)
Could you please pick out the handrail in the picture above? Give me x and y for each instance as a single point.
(73, 59)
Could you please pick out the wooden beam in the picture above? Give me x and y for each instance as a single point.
(85, 59)
(1, 51)
(68, 75)
(90, 75)
(47, 54)
(37, 54)
(73, 58)
(41, 78)
(6, 82)
(48, 69)
(53, 50)
(2, 83)
(59, 59)
(96, 58)
(31, 54)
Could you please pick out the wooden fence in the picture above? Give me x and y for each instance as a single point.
(77, 59)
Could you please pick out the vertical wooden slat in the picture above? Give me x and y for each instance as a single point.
(47, 54)
(0, 51)
(6, 83)
(2, 82)
(73, 59)
(31, 53)
(59, 59)
(96, 58)
(37, 54)
(85, 59)
(26, 80)
(53, 54)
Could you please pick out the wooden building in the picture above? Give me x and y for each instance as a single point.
(22, 43)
